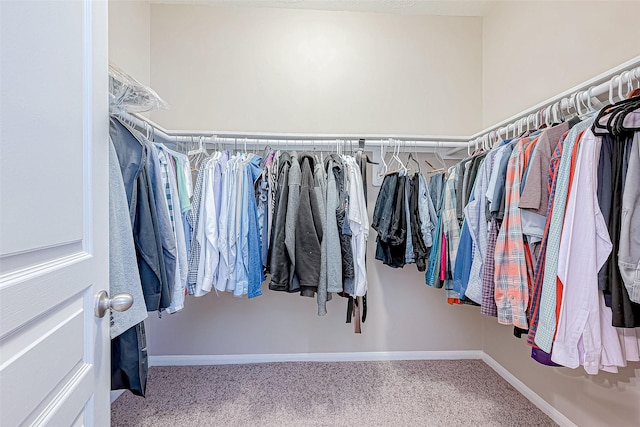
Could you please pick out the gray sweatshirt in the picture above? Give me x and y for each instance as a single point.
(334, 251)
(320, 187)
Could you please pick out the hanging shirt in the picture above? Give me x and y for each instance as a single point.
(359, 224)
(193, 218)
(227, 227)
(476, 214)
(207, 232)
(249, 265)
(451, 233)
(171, 187)
(538, 273)
(584, 248)
(512, 289)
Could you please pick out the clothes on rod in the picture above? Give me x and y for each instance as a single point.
(298, 217)
(543, 232)
(405, 219)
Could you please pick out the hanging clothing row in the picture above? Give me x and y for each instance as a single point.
(543, 233)
(204, 221)
(404, 215)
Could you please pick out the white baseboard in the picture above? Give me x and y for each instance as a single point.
(312, 357)
(115, 394)
(542, 404)
(192, 360)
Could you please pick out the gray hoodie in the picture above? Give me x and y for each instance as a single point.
(293, 202)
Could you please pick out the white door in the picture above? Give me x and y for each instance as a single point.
(54, 352)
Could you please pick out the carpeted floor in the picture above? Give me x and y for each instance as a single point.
(398, 393)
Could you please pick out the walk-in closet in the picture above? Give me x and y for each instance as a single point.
(309, 212)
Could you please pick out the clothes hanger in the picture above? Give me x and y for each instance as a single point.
(631, 107)
(382, 154)
(411, 158)
(395, 158)
(609, 113)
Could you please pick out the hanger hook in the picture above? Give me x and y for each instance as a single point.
(589, 97)
(611, 83)
(620, 80)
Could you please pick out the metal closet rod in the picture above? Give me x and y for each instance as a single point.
(293, 140)
(578, 98)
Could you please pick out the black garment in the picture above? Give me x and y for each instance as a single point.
(279, 261)
(362, 160)
(605, 201)
(383, 210)
(420, 251)
(308, 231)
(473, 174)
(463, 170)
(626, 314)
(391, 222)
(129, 364)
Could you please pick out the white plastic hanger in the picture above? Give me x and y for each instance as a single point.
(382, 153)
(621, 97)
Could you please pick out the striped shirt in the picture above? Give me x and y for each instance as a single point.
(538, 274)
(488, 306)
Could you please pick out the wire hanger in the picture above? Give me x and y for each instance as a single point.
(410, 158)
(438, 156)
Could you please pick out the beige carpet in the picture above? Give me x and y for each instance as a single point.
(398, 393)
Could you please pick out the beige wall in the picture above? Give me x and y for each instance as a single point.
(589, 401)
(129, 37)
(581, 40)
(279, 70)
(535, 50)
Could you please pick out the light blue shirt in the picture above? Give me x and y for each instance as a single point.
(498, 177)
(248, 260)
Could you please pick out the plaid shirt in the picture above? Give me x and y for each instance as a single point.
(538, 274)
(511, 279)
(164, 172)
(488, 306)
(193, 219)
(451, 229)
(547, 321)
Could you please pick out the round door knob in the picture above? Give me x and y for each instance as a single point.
(119, 302)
